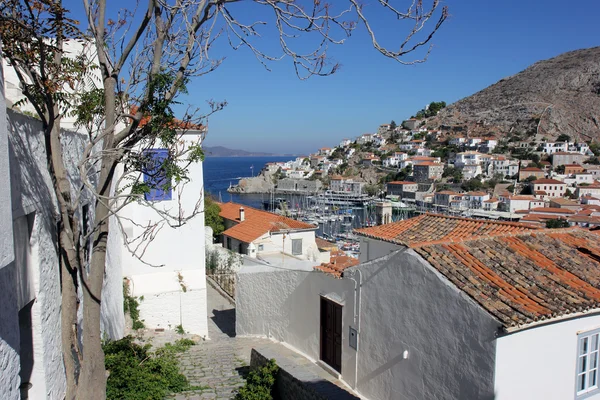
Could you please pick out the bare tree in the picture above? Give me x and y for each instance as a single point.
(145, 58)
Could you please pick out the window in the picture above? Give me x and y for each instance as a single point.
(587, 364)
(296, 247)
(261, 247)
(155, 175)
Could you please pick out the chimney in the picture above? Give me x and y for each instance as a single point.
(242, 214)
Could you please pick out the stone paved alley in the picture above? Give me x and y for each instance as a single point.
(219, 364)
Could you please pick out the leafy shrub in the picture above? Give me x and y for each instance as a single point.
(260, 383)
(131, 305)
(136, 373)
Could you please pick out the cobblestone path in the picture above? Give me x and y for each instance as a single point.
(220, 364)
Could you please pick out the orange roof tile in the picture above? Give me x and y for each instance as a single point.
(433, 227)
(527, 277)
(547, 181)
(401, 183)
(338, 263)
(552, 210)
(256, 222)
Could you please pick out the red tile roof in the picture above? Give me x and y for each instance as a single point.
(339, 262)
(532, 169)
(547, 181)
(552, 210)
(256, 222)
(401, 183)
(429, 228)
(524, 278)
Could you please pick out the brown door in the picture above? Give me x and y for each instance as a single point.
(331, 334)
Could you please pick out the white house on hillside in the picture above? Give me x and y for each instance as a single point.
(258, 233)
(444, 308)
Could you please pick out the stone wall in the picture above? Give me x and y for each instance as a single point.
(294, 382)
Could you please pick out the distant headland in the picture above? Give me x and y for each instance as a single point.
(220, 151)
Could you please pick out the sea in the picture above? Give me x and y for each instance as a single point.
(222, 172)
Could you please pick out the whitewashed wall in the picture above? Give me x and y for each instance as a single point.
(540, 363)
(9, 319)
(285, 306)
(173, 252)
(405, 305)
(371, 249)
(33, 198)
(409, 306)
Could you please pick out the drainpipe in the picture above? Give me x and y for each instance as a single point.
(357, 313)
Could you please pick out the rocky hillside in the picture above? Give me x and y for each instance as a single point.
(559, 95)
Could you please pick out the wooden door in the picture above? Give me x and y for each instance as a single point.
(331, 334)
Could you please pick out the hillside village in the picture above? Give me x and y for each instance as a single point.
(520, 177)
(498, 256)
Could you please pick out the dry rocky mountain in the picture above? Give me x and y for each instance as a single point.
(559, 95)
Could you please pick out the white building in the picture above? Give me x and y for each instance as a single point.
(553, 147)
(258, 233)
(30, 322)
(345, 142)
(400, 316)
(365, 138)
(394, 159)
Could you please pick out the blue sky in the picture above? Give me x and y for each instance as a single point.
(482, 42)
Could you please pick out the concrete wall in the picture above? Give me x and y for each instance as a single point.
(540, 363)
(177, 257)
(285, 306)
(449, 340)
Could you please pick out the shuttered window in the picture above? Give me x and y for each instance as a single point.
(296, 247)
(155, 175)
(587, 364)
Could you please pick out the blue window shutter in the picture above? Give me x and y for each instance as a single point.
(155, 176)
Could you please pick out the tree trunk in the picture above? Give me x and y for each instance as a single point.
(69, 261)
(92, 382)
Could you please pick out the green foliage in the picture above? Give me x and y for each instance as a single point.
(136, 373)
(393, 125)
(563, 137)
(212, 217)
(472, 184)
(557, 223)
(371, 190)
(560, 169)
(593, 161)
(530, 178)
(454, 173)
(432, 110)
(595, 148)
(179, 329)
(131, 305)
(337, 154)
(260, 383)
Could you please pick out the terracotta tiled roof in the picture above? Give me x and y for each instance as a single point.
(401, 183)
(552, 210)
(176, 123)
(429, 228)
(339, 262)
(324, 244)
(532, 169)
(547, 181)
(256, 222)
(492, 200)
(524, 278)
